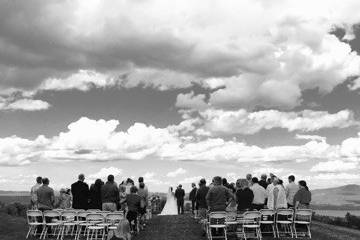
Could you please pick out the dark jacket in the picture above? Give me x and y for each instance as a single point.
(244, 199)
(95, 197)
(81, 194)
(192, 194)
(110, 193)
(217, 197)
(180, 194)
(201, 196)
(263, 183)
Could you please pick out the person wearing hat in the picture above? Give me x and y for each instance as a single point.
(180, 194)
(64, 199)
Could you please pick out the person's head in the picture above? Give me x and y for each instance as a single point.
(98, 182)
(193, 185)
(242, 183)
(248, 177)
(81, 177)
(133, 189)
(217, 180)
(281, 182)
(171, 189)
(180, 186)
(39, 180)
(269, 181)
(263, 177)
(224, 182)
(275, 181)
(272, 176)
(141, 179)
(110, 178)
(129, 181)
(122, 188)
(62, 191)
(302, 184)
(202, 182)
(68, 191)
(255, 180)
(45, 181)
(142, 185)
(291, 178)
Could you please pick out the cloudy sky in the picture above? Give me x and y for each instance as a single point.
(179, 90)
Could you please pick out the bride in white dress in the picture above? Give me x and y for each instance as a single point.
(170, 207)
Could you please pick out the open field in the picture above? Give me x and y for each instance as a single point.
(11, 199)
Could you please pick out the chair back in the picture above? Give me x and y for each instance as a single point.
(68, 215)
(94, 210)
(285, 213)
(231, 216)
(104, 213)
(303, 215)
(267, 215)
(252, 217)
(94, 218)
(32, 216)
(216, 218)
(114, 218)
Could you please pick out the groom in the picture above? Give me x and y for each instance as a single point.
(180, 194)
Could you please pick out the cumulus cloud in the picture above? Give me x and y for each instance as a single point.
(192, 101)
(105, 172)
(177, 172)
(334, 166)
(223, 122)
(310, 137)
(24, 105)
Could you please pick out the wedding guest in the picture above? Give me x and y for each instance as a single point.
(133, 201)
(248, 178)
(109, 195)
(141, 180)
(302, 198)
(142, 192)
(129, 184)
(259, 194)
(244, 196)
(180, 194)
(192, 198)
(33, 193)
(291, 189)
(201, 198)
(122, 231)
(122, 196)
(218, 196)
(80, 192)
(64, 199)
(276, 196)
(45, 196)
(263, 182)
(95, 195)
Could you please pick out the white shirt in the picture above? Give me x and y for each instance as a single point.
(291, 189)
(259, 194)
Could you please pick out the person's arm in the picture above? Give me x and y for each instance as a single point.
(52, 197)
(117, 196)
(208, 197)
(287, 191)
(276, 193)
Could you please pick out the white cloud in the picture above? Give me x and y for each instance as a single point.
(195, 179)
(177, 172)
(351, 147)
(192, 101)
(24, 105)
(334, 166)
(105, 172)
(310, 137)
(336, 176)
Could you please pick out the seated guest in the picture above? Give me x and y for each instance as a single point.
(276, 195)
(290, 190)
(121, 232)
(45, 196)
(218, 196)
(263, 182)
(244, 196)
(33, 193)
(80, 192)
(133, 201)
(259, 194)
(109, 195)
(95, 195)
(64, 199)
(302, 198)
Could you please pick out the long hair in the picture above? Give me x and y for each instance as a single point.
(303, 184)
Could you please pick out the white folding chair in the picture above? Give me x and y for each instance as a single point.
(81, 223)
(93, 228)
(267, 221)
(252, 222)
(68, 218)
(52, 221)
(35, 219)
(284, 218)
(216, 222)
(303, 217)
(231, 223)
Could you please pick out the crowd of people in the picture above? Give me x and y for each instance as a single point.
(108, 196)
(249, 193)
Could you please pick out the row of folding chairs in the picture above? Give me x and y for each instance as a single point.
(69, 222)
(279, 223)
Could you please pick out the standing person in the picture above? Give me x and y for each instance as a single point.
(248, 178)
(263, 182)
(244, 196)
(109, 195)
(81, 193)
(122, 197)
(291, 189)
(133, 201)
(95, 195)
(45, 196)
(302, 198)
(201, 198)
(218, 196)
(129, 184)
(33, 193)
(192, 198)
(64, 199)
(143, 193)
(141, 180)
(259, 194)
(180, 194)
(276, 196)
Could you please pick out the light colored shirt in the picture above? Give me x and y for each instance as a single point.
(33, 193)
(291, 189)
(259, 194)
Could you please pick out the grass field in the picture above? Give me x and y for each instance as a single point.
(20, 199)
(175, 228)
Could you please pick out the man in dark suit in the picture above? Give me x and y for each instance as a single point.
(192, 198)
(81, 193)
(180, 194)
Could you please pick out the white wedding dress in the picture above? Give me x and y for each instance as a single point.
(170, 207)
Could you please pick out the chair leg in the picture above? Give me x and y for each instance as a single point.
(27, 235)
(309, 230)
(291, 230)
(277, 230)
(273, 229)
(225, 234)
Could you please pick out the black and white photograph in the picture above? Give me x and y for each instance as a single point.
(179, 119)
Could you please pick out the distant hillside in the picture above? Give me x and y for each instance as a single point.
(14, 193)
(348, 195)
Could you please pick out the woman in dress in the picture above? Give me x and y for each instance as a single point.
(170, 207)
(95, 195)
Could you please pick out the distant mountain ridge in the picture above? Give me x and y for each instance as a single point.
(14, 193)
(348, 195)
